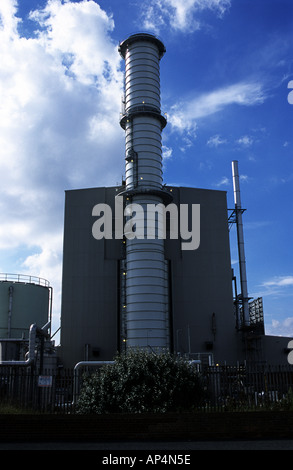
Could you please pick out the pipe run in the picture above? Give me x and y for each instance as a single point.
(31, 350)
(10, 290)
(240, 238)
(33, 331)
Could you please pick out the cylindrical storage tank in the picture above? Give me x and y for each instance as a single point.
(24, 300)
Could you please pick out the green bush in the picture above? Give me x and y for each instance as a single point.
(141, 381)
(285, 403)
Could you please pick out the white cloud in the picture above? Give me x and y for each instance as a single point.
(180, 16)
(223, 182)
(275, 287)
(166, 152)
(280, 328)
(215, 141)
(183, 116)
(60, 95)
(281, 281)
(47, 264)
(245, 141)
(244, 178)
(8, 19)
(77, 34)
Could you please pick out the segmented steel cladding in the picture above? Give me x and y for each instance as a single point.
(146, 267)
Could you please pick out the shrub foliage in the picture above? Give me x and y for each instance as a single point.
(140, 381)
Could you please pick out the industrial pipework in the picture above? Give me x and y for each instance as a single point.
(34, 331)
(146, 286)
(240, 239)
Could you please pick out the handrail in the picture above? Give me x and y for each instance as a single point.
(24, 278)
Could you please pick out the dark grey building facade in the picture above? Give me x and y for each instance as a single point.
(201, 311)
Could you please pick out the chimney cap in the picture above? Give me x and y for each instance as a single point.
(141, 37)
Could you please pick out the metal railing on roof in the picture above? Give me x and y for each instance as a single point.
(24, 278)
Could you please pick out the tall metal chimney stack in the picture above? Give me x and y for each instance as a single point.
(146, 292)
(240, 238)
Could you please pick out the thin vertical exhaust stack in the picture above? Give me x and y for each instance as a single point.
(240, 239)
(146, 290)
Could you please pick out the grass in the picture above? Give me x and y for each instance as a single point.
(10, 409)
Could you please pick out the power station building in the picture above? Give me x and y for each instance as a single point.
(148, 265)
(145, 264)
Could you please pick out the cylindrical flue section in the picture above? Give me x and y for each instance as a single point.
(142, 119)
(143, 152)
(146, 283)
(142, 71)
(146, 275)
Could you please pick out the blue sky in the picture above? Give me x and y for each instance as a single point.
(224, 87)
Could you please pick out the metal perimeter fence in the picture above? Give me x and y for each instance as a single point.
(227, 388)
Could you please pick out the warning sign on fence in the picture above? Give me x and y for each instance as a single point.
(45, 381)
